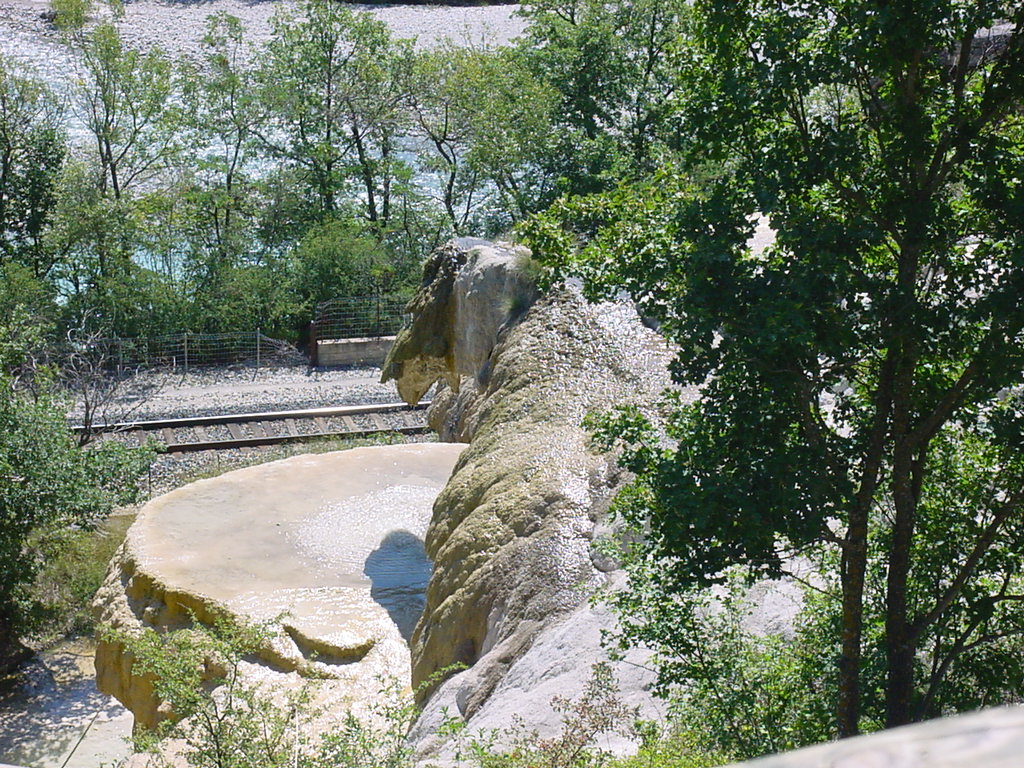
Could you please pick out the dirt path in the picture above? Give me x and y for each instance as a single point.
(52, 716)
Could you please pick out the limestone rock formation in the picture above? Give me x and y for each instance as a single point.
(991, 738)
(327, 548)
(470, 289)
(513, 533)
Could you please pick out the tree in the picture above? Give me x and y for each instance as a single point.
(31, 155)
(487, 124)
(336, 260)
(442, 98)
(224, 123)
(333, 85)
(860, 376)
(125, 103)
(214, 208)
(48, 485)
(94, 236)
(512, 130)
(612, 65)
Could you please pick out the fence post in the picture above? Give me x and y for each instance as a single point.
(314, 353)
(186, 351)
(257, 349)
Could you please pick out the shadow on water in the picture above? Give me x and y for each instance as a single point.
(398, 570)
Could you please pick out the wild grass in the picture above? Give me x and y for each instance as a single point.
(67, 583)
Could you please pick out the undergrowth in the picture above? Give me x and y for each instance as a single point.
(65, 587)
(218, 718)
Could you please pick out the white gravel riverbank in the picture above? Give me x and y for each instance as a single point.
(178, 26)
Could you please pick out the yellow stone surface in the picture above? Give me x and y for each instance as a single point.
(328, 547)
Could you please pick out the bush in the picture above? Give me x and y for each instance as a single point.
(336, 259)
(50, 489)
(598, 712)
(65, 587)
(223, 720)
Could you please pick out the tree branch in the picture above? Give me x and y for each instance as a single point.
(981, 547)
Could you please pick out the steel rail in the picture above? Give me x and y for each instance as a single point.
(241, 418)
(253, 442)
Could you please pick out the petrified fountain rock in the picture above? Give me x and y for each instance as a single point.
(513, 530)
(326, 547)
(470, 289)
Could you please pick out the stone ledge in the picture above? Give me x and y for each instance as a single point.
(992, 738)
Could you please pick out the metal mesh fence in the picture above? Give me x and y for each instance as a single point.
(361, 317)
(194, 350)
(349, 318)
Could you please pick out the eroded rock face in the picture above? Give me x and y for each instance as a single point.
(513, 530)
(328, 548)
(470, 289)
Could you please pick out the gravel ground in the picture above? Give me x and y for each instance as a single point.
(171, 471)
(240, 389)
(178, 26)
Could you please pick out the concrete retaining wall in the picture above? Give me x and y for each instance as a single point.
(370, 351)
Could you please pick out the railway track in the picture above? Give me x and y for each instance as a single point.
(248, 430)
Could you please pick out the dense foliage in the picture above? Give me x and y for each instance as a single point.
(50, 489)
(238, 188)
(860, 375)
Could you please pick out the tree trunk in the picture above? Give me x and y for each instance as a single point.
(899, 641)
(853, 569)
(5, 171)
(366, 172)
(855, 557)
(12, 652)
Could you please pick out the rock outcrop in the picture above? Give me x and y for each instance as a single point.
(326, 548)
(513, 532)
(470, 290)
(991, 738)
